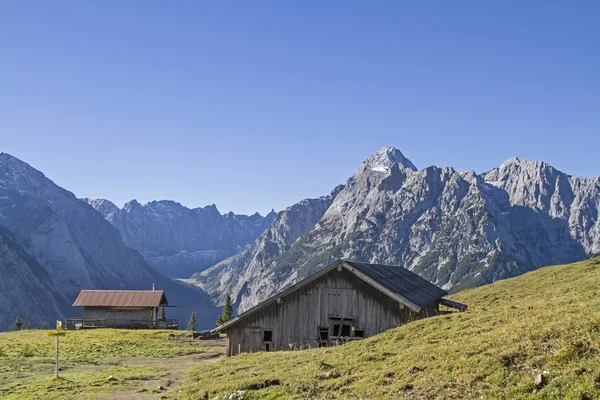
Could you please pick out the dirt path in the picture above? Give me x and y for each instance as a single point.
(175, 368)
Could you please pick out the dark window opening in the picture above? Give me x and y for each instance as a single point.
(336, 330)
(335, 317)
(345, 330)
(267, 336)
(323, 333)
(359, 333)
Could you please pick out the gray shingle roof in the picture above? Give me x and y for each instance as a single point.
(400, 281)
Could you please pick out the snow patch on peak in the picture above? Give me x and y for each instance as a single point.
(383, 159)
(379, 168)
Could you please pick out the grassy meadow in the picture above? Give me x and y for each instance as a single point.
(545, 322)
(139, 360)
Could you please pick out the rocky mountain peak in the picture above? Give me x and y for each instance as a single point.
(512, 160)
(383, 159)
(271, 214)
(212, 208)
(13, 169)
(19, 175)
(6, 158)
(99, 202)
(456, 229)
(130, 205)
(164, 203)
(107, 206)
(517, 163)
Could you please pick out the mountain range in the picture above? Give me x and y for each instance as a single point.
(52, 245)
(456, 229)
(179, 241)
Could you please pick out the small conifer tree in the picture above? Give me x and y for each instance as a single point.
(192, 322)
(28, 327)
(18, 324)
(44, 326)
(227, 312)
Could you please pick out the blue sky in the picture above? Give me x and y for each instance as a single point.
(253, 105)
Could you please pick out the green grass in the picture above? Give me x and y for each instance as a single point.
(546, 321)
(98, 344)
(88, 358)
(87, 384)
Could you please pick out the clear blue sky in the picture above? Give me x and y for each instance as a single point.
(254, 104)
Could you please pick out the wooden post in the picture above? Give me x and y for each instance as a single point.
(57, 356)
(58, 332)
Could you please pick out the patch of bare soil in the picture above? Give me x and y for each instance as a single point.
(165, 386)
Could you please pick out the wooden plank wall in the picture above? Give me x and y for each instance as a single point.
(295, 321)
(135, 313)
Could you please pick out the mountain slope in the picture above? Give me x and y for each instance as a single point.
(37, 301)
(567, 206)
(75, 245)
(179, 241)
(544, 322)
(457, 229)
(229, 276)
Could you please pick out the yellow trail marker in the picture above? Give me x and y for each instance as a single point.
(58, 332)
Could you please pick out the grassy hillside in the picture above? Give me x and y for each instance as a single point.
(139, 360)
(545, 322)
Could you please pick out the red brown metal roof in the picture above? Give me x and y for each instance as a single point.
(120, 298)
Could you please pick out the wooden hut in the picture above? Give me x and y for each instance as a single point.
(121, 309)
(344, 301)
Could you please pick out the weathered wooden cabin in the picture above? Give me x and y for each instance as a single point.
(344, 301)
(121, 309)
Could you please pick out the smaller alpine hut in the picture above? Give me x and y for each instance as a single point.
(344, 301)
(121, 309)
